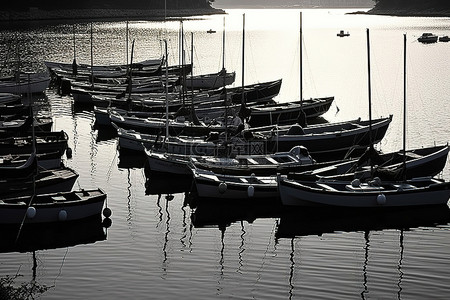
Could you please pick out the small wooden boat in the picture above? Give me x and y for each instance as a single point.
(375, 194)
(327, 141)
(14, 125)
(45, 142)
(54, 207)
(9, 98)
(343, 34)
(13, 166)
(444, 39)
(61, 179)
(428, 38)
(213, 185)
(427, 161)
(296, 159)
(24, 83)
(210, 81)
(289, 112)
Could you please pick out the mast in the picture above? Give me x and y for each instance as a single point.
(404, 103)
(167, 92)
(92, 60)
(224, 78)
(302, 115)
(74, 62)
(301, 63)
(130, 75)
(370, 98)
(126, 41)
(243, 57)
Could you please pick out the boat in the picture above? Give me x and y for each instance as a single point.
(426, 161)
(444, 38)
(45, 142)
(14, 125)
(210, 81)
(343, 34)
(326, 141)
(427, 38)
(10, 98)
(53, 207)
(210, 31)
(16, 166)
(373, 194)
(213, 185)
(296, 159)
(188, 125)
(25, 83)
(41, 181)
(288, 112)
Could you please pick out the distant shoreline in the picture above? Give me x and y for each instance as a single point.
(36, 15)
(405, 13)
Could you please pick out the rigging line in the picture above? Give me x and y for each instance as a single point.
(272, 234)
(60, 267)
(311, 81)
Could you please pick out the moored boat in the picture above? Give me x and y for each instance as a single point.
(53, 207)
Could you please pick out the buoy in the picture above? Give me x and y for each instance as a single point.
(222, 187)
(107, 223)
(62, 216)
(356, 182)
(381, 199)
(251, 191)
(69, 152)
(31, 212)
(107, 212)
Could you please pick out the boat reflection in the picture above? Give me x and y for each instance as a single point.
(33, 237)
(302, 222)
(160, 183)
(224, 212)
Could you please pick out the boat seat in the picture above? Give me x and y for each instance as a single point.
(403, 186)
(363, 188)
(326, 186)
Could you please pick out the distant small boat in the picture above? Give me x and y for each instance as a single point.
(444, 38)
(428, 38)
(343, 34)
(211, 31)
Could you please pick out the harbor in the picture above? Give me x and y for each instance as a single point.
(163, 239)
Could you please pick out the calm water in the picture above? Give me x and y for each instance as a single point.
(158, 248)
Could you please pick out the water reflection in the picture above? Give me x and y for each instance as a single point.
(159, 183)
(302, 222)
(36, 237)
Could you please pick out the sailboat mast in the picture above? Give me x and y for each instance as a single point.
(370, 97)
(404, 101)
(301, 61)
(126, 41)
(224, 78)
(167, 91)
(74, 49)
(92, 60)
(369, 88)
(243, 56)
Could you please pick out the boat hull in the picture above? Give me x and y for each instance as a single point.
(293, 193)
